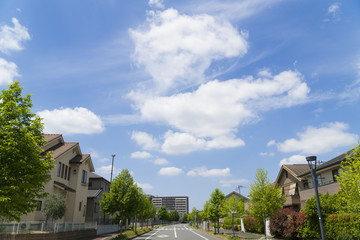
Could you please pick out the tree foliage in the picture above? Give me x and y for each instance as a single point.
(265, 197)
(349, 181)
(234, 205)
(185, 217)
(174, 216)
(24, 169)
(55, 207)
(311, 225)
(163, 214)
(124, 197)
(217, 206)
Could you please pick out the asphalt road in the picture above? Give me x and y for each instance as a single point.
(175, 232)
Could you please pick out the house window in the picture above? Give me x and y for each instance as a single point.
(38, 207)
(319, 180)
(84, 211)
(335, 173)
(69, 173)
(305, 184)
(59, 169)
(286, 174)
(96, 207)
(62, 170)
(79, 206)
(84, 176)
(90, 184)
(66, 171)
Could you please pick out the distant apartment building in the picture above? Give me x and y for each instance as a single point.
(97, 187)
(180, 203)
(68, 178)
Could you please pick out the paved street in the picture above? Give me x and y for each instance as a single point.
(178, 232)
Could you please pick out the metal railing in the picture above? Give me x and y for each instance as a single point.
(42, 226)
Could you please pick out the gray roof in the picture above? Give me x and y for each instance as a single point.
(237, 194)
(94, 193)
(95, 176)
(334, 161)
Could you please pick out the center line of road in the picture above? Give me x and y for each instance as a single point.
(175, 232)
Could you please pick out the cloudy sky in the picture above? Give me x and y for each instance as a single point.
(189, 95)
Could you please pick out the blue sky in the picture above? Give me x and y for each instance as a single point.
(190, 95)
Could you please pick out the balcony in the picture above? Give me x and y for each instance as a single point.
(292, 200)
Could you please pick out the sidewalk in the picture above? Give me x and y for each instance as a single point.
(244, 235)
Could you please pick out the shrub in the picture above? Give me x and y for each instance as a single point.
(338, 226)
(286, 223)
(252, 224)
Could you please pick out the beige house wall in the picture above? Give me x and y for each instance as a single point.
(73, 199)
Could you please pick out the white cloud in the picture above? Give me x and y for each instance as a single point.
(333, 12)
(142, 155)
(8, 72)
(180, 143)
(204, 172)
(170, 171)
(231, 182)
(271, 154)
(270, 143)
(71, 121)
(156, 3)
(235, 10)
(104, 160)
(315, 140)
(177, 49)
(217, 108)
(147, 141)
(208, 118)
(105, 171)
(11, 38)
(295, 159)
(161, 161)
(145, 186)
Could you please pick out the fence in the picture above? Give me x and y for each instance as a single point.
(40, 227)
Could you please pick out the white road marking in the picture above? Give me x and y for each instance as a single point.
(152, 234)
(175, 232)
(196, 233)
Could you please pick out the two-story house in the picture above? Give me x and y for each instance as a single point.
(291, 184)
(325, 176)
(97, 187)
(69, 178)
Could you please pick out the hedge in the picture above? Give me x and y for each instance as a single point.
(340, 224)
(252, 224)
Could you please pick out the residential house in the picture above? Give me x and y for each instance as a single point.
(68, 178)
(291, 184)
(97, 187)
(325, 176)
(239, 196)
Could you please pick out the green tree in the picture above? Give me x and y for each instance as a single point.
(185, 217)
(163, 214)
(349, 181)
(55, 207)
(217, 206)
(25, 169)
(311, 225)
(123, 199)
(174, 216)
(265, 197)
(234, 207)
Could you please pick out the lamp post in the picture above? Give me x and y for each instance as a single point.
(112, 167)
(233, 212)
(312, 164)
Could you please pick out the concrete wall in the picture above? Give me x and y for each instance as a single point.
(50, 236)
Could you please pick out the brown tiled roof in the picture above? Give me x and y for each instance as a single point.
(63, 186)
(50, 137)
(61, 148)
(297, 169)
(237, 194)
(79, 158)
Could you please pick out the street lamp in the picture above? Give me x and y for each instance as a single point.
(112, 167)
(312, 164)
(233, 212)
